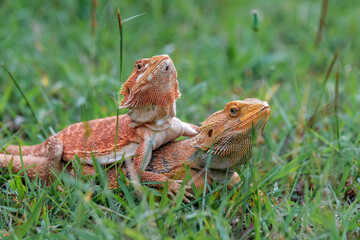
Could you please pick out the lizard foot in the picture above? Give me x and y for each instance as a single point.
(174, 188)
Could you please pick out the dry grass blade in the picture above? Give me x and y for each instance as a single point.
(121, 41)
(313, 119)
(336, 105)
(324, 8)
(331, 66)
(135, 16)
(117, 109)
(301, 121)
(94, 3)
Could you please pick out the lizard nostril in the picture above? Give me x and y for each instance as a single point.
(167, 68)
(210, 133)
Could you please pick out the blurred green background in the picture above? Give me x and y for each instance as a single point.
(71, 75)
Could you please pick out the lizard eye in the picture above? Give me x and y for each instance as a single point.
(139, 66)
(233, 111)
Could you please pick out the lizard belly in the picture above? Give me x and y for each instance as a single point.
(128, 151)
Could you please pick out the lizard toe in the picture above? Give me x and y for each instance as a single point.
(189, 195)
(186, 200)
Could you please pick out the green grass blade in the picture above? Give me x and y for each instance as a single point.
(336, 105)
(25, 98)
(208, 162)
(28, 223)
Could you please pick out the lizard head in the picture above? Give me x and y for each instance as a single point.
(152, 82)
(230, 130)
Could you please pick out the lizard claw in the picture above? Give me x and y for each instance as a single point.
(185, 199)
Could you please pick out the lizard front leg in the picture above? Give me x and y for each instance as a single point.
(37, 165)
(189, 130)
(152, 140)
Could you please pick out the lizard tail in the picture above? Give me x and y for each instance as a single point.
(40, 166)
(34, 150)
(32, 164)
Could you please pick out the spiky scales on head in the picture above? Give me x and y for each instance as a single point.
(152, 82)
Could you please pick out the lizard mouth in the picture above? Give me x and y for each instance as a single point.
(256, 117)
(165, 58)
(260, 120)
(266, 108)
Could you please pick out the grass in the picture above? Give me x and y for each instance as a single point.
(307, 171)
